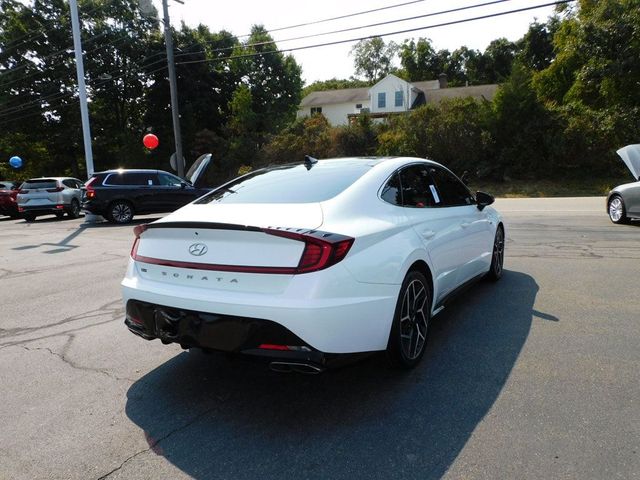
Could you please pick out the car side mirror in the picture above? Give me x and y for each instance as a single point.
(183, 185)
(483, 200)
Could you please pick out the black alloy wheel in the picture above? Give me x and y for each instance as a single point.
(410, 328)
(120, 212)
(497, 259)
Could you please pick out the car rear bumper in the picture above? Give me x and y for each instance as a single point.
(351, 317)
(94, 206)
(8, 209)
(43, 209)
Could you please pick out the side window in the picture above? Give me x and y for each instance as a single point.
(140, 178)
(452, 191)
(169, 180)
(392, 192)
(416, 191)
(67, 182)
(382, 99)
(399, 98)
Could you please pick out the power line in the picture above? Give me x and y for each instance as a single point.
(351, 40)
(315, 22)
(387, 22)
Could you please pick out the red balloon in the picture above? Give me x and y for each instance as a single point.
(150, 141)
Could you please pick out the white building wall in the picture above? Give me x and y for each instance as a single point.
(335, 113)
(390, 85)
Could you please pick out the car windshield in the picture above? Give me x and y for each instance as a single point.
(291, 183)
(39, 183)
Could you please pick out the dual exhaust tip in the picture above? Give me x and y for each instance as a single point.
(297, 367)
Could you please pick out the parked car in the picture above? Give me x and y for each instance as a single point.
(623, 202)
(118, 195)
(304, 263)
(53, 195)
(8, 194)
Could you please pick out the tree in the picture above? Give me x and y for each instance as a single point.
(333, 84)
(373, 59)
(535, 48)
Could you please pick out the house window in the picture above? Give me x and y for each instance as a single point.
(382, 100)
(358, 105)
(399, 98)
(315, 110)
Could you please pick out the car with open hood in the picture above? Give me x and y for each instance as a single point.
(623, 202)
(302, 264)
(119, 195)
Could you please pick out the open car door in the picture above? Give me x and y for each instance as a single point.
(196, 173)
(631, 157)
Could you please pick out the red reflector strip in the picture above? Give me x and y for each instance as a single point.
(270, 346)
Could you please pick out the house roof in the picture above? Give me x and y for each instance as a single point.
(486, 92)
(426, 85)
(329, 97)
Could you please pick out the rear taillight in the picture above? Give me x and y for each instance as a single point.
(321, 249)
(90, 192)
(55, 190)
(137, 231)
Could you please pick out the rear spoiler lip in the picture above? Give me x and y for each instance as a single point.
(204, 225)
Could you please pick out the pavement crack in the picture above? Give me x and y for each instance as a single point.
(63, 356)
(153, 444)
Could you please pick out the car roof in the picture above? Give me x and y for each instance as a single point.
(130, 170)
(51, 178)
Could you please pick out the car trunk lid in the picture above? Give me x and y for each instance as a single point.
(631, 157)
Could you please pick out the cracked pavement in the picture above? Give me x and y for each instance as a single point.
(534, 377)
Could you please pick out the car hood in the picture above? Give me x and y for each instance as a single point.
(196, 173)
(631, 157)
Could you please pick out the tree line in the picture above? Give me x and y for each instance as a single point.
(569, 95)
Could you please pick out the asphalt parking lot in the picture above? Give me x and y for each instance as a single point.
(537, 376)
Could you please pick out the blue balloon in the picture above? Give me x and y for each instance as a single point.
(15, 162)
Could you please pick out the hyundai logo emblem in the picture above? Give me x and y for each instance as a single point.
(198, 249)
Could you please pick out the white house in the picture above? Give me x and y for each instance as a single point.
(390, 95)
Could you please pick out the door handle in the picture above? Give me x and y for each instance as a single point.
(465, 225)
(428, 234)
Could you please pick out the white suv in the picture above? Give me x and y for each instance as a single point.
(53, 195)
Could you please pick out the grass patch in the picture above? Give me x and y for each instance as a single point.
(549, 188)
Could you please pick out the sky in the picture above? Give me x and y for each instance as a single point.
(335, 61)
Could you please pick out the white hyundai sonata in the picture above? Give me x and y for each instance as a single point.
(305, 263)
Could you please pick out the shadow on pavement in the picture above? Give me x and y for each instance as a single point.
(218, 418)
(64, 245)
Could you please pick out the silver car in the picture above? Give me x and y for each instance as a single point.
(52, 195)
(623, 202)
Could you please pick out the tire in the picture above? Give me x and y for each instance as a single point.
(120, 212)
(410, 328)
(497, 259)
(74, 209)
(617, 211)
(29, 217)
(59, 214)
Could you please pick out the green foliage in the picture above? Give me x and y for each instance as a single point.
(373, 58)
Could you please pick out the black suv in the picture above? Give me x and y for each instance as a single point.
(118, 195)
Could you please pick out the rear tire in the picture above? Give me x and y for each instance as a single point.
(617, 210)
(497, 259)
(29, 217)
(59, 214)
(410, 328)
(74, 210)
(120, 212)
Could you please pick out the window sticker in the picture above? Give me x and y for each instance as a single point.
(436, 198)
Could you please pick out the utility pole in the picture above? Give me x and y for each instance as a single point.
(173, 87)
(82, 88)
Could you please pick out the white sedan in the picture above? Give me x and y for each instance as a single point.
(304, 263)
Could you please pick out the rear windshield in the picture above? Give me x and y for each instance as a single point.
(39, 183)
(7, 185)
(290, 184)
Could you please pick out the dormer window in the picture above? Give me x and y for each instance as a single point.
(399, 98)
(382, 100)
